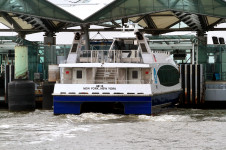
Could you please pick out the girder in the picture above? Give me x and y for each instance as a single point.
(35, 22)
(46, 17)
(191, 20)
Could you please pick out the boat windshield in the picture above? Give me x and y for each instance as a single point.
(123, 44)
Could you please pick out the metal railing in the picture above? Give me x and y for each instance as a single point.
(112, 56)
(64, 81)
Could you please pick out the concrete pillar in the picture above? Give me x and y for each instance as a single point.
(49, 38)
(85, 29)
(21, 62)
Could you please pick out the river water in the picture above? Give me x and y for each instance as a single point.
(174, 129)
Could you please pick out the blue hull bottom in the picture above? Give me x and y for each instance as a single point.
(132, 105)
(165, 98)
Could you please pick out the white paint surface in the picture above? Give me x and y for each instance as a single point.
(106, 65)
(103, 88)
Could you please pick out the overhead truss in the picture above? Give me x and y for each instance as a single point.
(153, 16)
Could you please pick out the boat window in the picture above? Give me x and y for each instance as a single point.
(134, 74)
(139, 36)
(125, 45)
(77, 36)
(74, 47)
(143, 47)
(168, 75)
(79, 74)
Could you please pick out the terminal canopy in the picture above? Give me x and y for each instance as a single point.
(157, 15)
(154, 16)
(30, 15)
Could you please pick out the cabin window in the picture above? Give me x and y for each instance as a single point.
(134, 74)
(143, 47)
(74, 47)
(79, 74)
(124, 45)
(168, 75)
(139, 36)
(77, 36)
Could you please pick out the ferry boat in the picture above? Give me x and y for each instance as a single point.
(129, 74)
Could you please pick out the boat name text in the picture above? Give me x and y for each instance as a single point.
(99, 87)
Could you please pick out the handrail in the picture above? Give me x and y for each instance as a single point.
(106, 81)
(112, 56)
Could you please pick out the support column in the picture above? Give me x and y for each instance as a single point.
(22, 35)
(49, 38)
(201, 55)
(49, 51)
(85, 29)
(21, 62)
(202, 37)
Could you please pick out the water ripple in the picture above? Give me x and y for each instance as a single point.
(177, 129)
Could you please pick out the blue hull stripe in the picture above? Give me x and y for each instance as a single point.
(72, 104)
(132, 105)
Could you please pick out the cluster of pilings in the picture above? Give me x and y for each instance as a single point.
(193, 86)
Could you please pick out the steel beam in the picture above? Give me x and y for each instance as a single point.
(109, 29)
(10, 20)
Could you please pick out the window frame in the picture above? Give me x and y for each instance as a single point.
(79, 76)
(137, 75)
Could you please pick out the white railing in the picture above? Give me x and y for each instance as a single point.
(112, 56)
(105, 81)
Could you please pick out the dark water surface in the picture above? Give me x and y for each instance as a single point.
(177, 129)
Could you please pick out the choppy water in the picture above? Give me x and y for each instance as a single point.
(177, 129)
